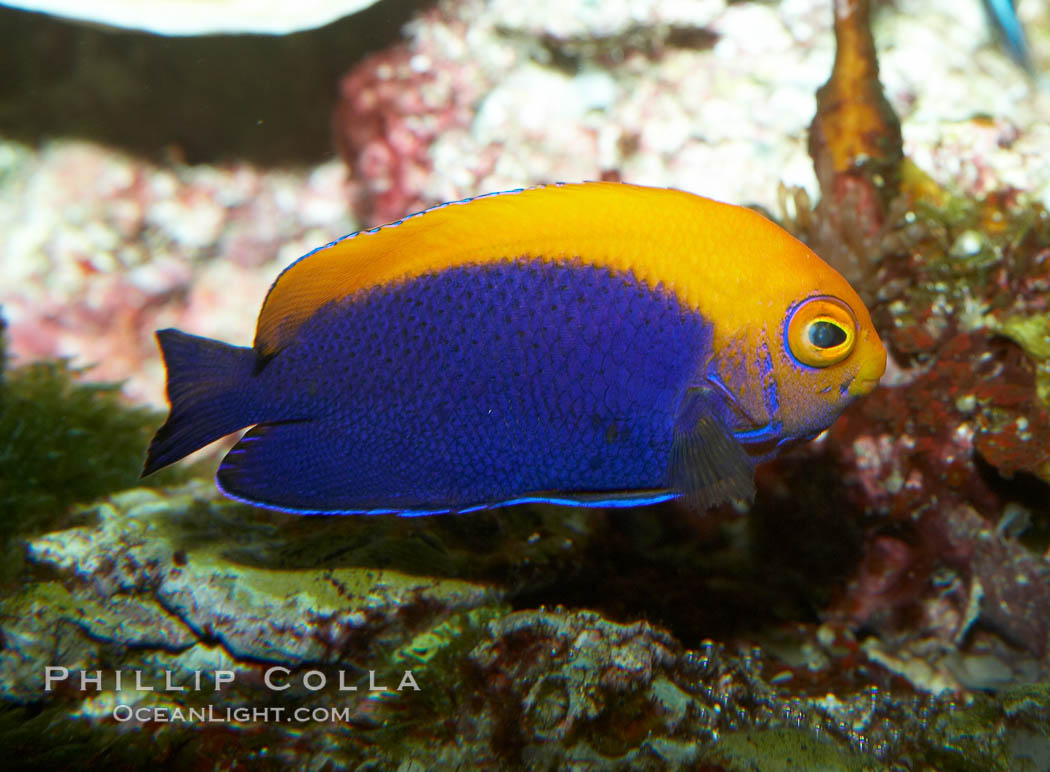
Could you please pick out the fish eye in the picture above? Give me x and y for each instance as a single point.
(824, 333)
(821, 331)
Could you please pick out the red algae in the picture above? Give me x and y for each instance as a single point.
(392, 107)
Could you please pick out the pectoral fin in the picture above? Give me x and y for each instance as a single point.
(708, 466)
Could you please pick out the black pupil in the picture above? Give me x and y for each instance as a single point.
(826, 334)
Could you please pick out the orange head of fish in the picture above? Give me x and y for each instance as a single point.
(793, 343)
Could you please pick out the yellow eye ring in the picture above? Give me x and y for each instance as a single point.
(821, 331)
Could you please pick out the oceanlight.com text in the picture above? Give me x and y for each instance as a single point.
(212, 714)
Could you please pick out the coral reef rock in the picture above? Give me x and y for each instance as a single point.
(178, 585)
(100, 249)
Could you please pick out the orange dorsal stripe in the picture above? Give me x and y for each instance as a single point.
(711, 255)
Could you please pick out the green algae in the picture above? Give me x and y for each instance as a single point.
(36, 737)
(1032, 333)
(63, 441)
(449, 639)
(66, 441)
(1002, 732)
(438, 659)
(784, 749)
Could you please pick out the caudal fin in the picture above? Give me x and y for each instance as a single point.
(211, 392)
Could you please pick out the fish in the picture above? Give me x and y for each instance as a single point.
(1002, 15)
(595, 344)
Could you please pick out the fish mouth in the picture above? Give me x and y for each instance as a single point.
(872, 369)
(863, 386)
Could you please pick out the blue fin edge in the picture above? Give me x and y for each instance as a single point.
(595, 500)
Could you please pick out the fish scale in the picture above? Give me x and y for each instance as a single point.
(516, 418)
